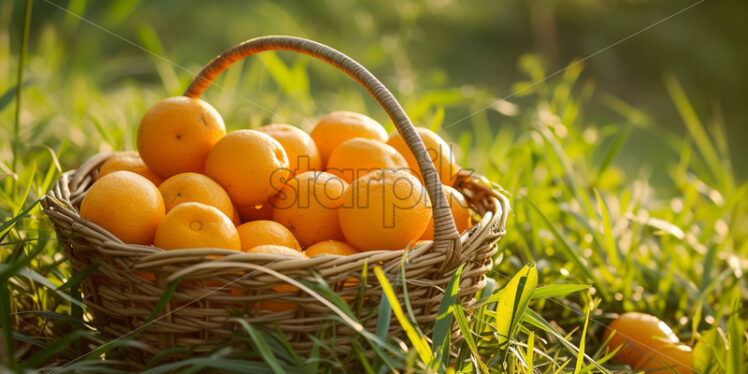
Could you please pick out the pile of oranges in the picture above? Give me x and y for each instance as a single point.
(344, 188)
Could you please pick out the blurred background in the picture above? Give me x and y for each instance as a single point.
(445, 60)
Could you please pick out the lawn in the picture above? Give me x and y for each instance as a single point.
(617, 204)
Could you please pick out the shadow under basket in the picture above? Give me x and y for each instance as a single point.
(218, 289)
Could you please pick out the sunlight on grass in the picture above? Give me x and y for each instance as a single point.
(590, 235)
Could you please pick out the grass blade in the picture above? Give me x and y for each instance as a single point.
(418, 341)
(570, 253)
(384, 317)
(512, 301)
(443, 324)
(49, 351)
(694, 126)
(557, 290)
(20, 84)
(736, 331)
(262, 347)
(614, 256)
(612, 151)
(467, 334)
(580, 355)
(38, 278)
(530, 348)
(6, 226)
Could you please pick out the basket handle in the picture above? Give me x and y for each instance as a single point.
(446, 237)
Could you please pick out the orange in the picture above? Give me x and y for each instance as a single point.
(250, 165)
(276, 306)
(308, 206)
(357, 157)
(236, 219)
(330, 247)
(302, 152)
(126, 204)
(460, 212)
(334, 247)
(645, 338)
(129, 161)
(197, 188)
(674, 356)
(337, 127)
(385, 209)
(277, 250)
(256, 233)
(176, 134)
(262, 211)
(196, 225)
(439, 152)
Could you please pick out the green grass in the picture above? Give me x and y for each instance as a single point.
(590, 234)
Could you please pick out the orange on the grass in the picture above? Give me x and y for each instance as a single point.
(254, 212)
(439, 152)
(126, 204)
(277, 306)
(308, 206)
(357, 157)
(176, 134)
(337, 127)
(460, 212)
(257, 233)
(196, 225)
(129, 161)
(250, 165)
(385, 209)
(330, 247)
(644, 338)
(196, 188)
(301, 150)
(674, 356)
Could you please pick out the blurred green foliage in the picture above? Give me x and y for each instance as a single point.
(466, 50)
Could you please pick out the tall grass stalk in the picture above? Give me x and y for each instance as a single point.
(19, 85)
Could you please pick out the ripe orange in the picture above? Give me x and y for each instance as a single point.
(666, 358)
(337, 127)
(460, 212)
(439, 151)
(308, 206)
(357, 157)
(196, 225)
(126, 204)
(198, 188)
(334, 247)
(176, 134)
(250, 165)
(385, 209)
(257, 233)
(644, 339)
(330, 247)
(301, 150)
(253, 212)
(277, 306)
(277, 250)
(129, 161)
(236, 219)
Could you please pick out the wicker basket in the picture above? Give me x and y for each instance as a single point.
(202, 315)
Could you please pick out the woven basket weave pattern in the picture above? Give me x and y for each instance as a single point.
(123, 290)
